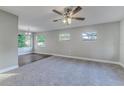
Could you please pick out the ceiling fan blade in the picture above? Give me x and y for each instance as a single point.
(56, 20)
(77, 9)
(78, 18)
(57, 12)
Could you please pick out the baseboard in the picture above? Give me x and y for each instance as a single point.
(8, 69)
(122, 65)
(83, 58)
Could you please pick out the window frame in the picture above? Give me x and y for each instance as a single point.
(27, 35)
(89, 36)
(64, 36)
(43, 44)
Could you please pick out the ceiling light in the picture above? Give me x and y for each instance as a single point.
(69, 20)
(26, 33)
(64, 21)
(29, 33)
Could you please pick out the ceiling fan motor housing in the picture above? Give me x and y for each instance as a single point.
(67, 10)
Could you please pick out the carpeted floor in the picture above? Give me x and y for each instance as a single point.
(64, 71)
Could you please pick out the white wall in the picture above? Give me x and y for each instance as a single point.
(122, 41)
(8, 40)
(106, 47)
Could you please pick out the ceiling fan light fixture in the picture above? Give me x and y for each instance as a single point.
(67, 21)
(64, 21)
(67, 16)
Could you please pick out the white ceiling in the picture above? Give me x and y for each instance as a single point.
(39, 18)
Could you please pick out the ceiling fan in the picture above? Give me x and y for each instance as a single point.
(68, 14)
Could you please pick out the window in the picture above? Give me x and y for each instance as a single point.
(41, 40)
(64, 36)
(24, 39)
(89, 36)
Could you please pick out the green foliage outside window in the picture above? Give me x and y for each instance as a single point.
(21, 40)
(24, 40)
(41, 38)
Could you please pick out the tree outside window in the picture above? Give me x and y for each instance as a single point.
(24, 40)
(41, 40)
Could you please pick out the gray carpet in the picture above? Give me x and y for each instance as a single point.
(64, 71)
